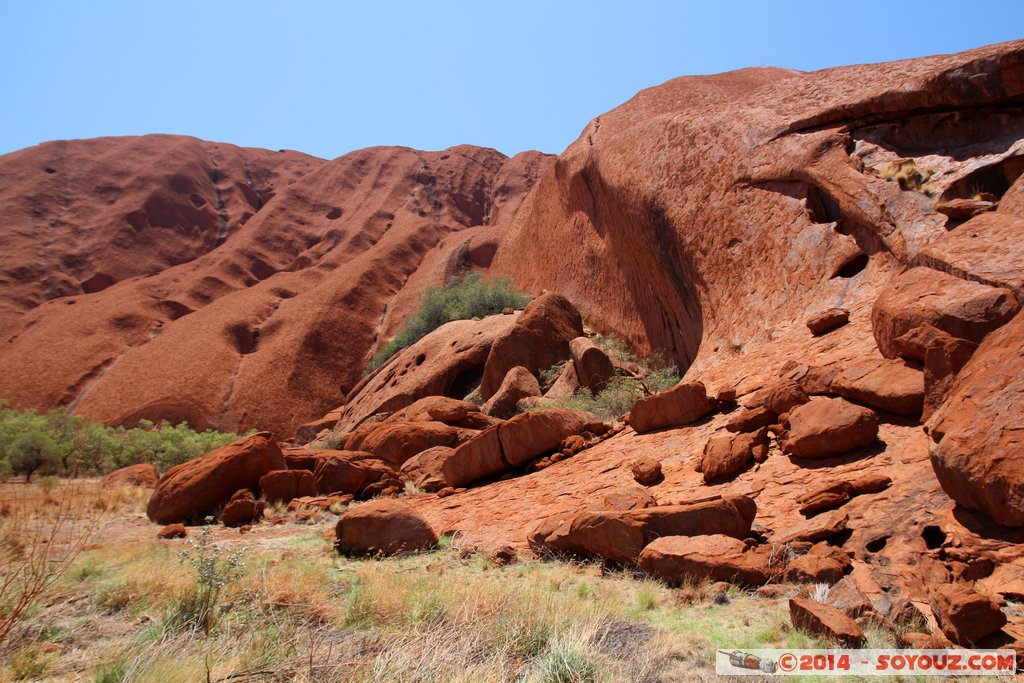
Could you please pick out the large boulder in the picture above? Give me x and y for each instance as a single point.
(396, 442)
(242, 508)
(978, 449)
(539, 339)
(963, 615)
(823, 563)
(684, 403)
(888, 385)
(303, 458)
(384, 526)
(479, 458)
(425, 469)
(679, 559)
(826, 621)
(349, 472)
(447, 362)
(962, 308)
(593, 366)
(143, 475)
(450, 411)
(530, 435)
(727, 455)
(519, 383)
(286, 485)
(621, 535)
(944, 358)
(988, 248)
(194, 489)
(824, 427)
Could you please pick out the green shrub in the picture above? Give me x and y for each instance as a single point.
(461, 299)
(56, 443)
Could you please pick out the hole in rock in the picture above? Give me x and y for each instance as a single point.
(174, 309)
(993, 179)
(334, 214)
(877, 544)
(933, 536)
(420, 358)
(852, 266)
(196, 200)
(466, 381)
(50, 169)
(242, 338)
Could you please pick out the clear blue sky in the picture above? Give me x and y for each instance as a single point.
(330, 77)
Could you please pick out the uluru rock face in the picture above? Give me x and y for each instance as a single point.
(318, 264)
(709, 218)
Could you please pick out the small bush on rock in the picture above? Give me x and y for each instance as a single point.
(461, 299)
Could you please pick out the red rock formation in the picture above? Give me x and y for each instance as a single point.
(196, 488)
(385, 526)
(143, 474)
(279, 320)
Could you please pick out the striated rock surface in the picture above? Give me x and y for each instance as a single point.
(309, 278)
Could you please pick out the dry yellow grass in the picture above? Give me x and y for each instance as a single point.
(299, 612)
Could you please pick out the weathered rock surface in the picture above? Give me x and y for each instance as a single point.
(194, 489)
(519, 383)
(593, 366)
(385, 526)
(679, 559)
(286, 485)
(828, 320)
(823, 427)
(316, 263)
(539, 338)
(882, 384)
(682, 404)
(144, 475)
(396, 442)
(978, 433)
(349, 472)
(986, 249)
(965, 616)
(824, 620)
(961, 308)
